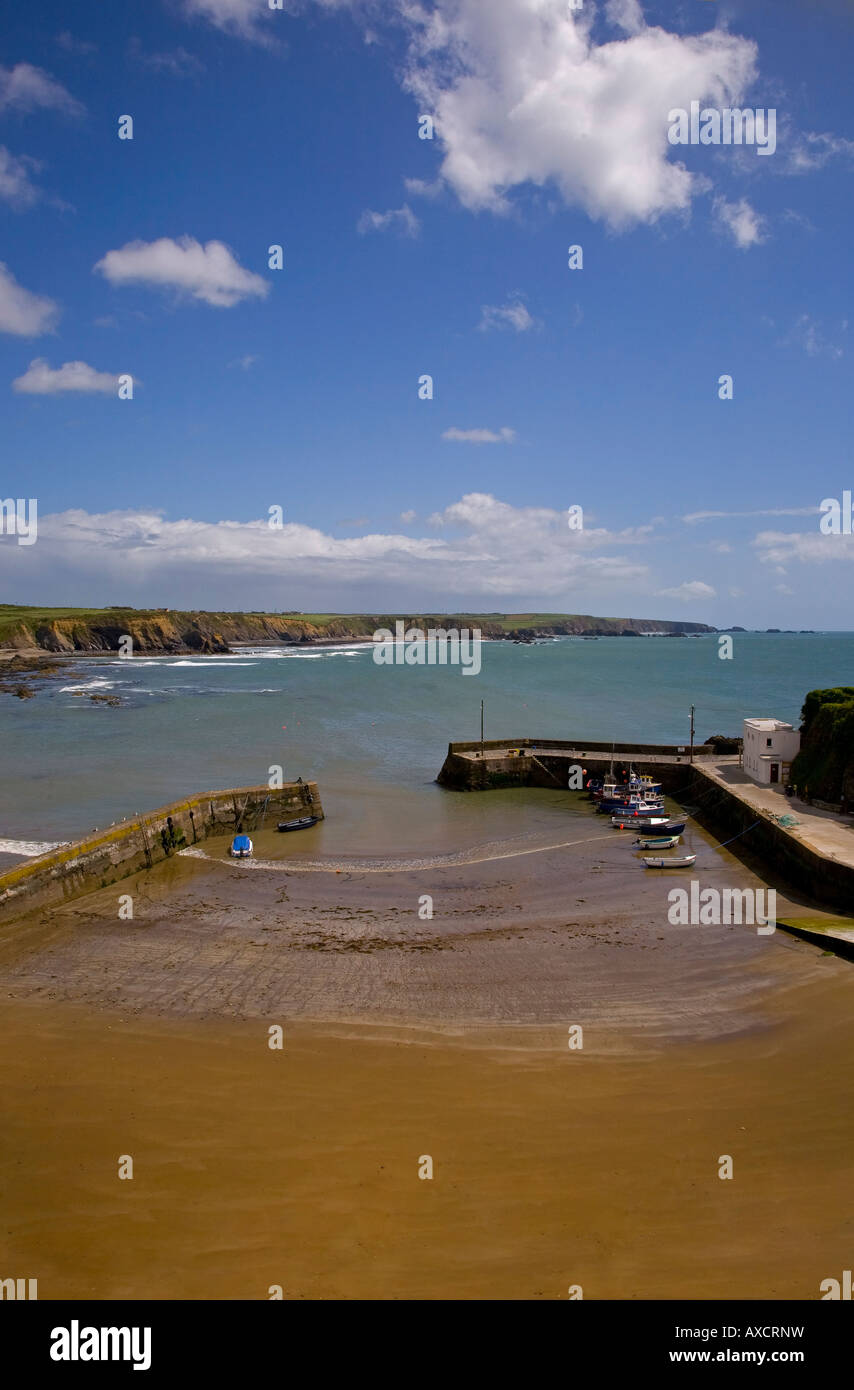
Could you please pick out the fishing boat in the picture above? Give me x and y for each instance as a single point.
(637, 801)
(611, 790)
(654, 805)
(301, 823)
(640, 807)
(658, 841)
(627, 821)
(669, 827)
(241, 847)
(684, 861)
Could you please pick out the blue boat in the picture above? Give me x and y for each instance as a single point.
(241, 847)
(633, 806)
(670, 827)
(653, 805)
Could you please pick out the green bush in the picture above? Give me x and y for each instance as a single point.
(825, 764)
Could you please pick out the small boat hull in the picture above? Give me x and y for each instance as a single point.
(667, 827)
(684, 862)
(303, 823)
(636, 822)
(660, 842)
(241, 847)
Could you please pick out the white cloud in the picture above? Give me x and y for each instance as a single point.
(40, 379)
(26, 88)
(504, 436)
(25, 314)
(403, 219)
(692, 517)
(408, 517)
(81, 48)
(521, 93)
(210, 273)
(743, 223)
(514, 314)
(689, 591)
(177, 62)
(807, 333)
(779, 548)
(247, 19)
(419, 188)
(626, 15)
(812, 150)
(488, 550)
(15, 184)
(799, 219)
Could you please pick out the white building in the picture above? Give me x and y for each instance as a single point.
(769, 747)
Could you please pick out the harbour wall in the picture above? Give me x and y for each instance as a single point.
(465, 770)
(107, 856)
(770, 849)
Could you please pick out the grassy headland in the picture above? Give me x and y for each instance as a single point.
(75, 630)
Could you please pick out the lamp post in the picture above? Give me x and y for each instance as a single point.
(692, 734)
(481, 728)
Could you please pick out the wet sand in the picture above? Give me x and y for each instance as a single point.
(300, 1168)
(535, 928)
(406, 1036)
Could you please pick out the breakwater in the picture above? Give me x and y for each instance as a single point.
(775, 851)
(107, 856)
(527, 762)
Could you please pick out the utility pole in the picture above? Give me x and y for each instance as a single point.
(481, 728)
(692, 734)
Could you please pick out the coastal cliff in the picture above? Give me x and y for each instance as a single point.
(67, 630)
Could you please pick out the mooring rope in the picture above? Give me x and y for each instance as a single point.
(738, 836)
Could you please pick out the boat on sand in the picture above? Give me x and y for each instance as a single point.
(301, 823)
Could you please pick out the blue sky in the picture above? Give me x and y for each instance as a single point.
(552, 387)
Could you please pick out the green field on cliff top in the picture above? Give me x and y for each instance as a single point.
(21, 624)
(12, 615)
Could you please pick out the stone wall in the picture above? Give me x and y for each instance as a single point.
(536, 769)
(772, 851)
(114, 854)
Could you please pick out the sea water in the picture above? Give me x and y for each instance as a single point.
(374, 737)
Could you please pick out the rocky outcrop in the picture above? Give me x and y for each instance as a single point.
(724, 743)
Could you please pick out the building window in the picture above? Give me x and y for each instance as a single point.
(768, 743)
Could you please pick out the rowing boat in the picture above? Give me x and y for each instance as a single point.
(302, 823)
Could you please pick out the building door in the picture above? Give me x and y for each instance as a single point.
(775, 772)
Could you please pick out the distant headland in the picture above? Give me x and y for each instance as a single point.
(166, 630)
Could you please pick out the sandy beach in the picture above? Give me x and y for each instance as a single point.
(406, 1037)
(544, 927)
(299, 1167)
